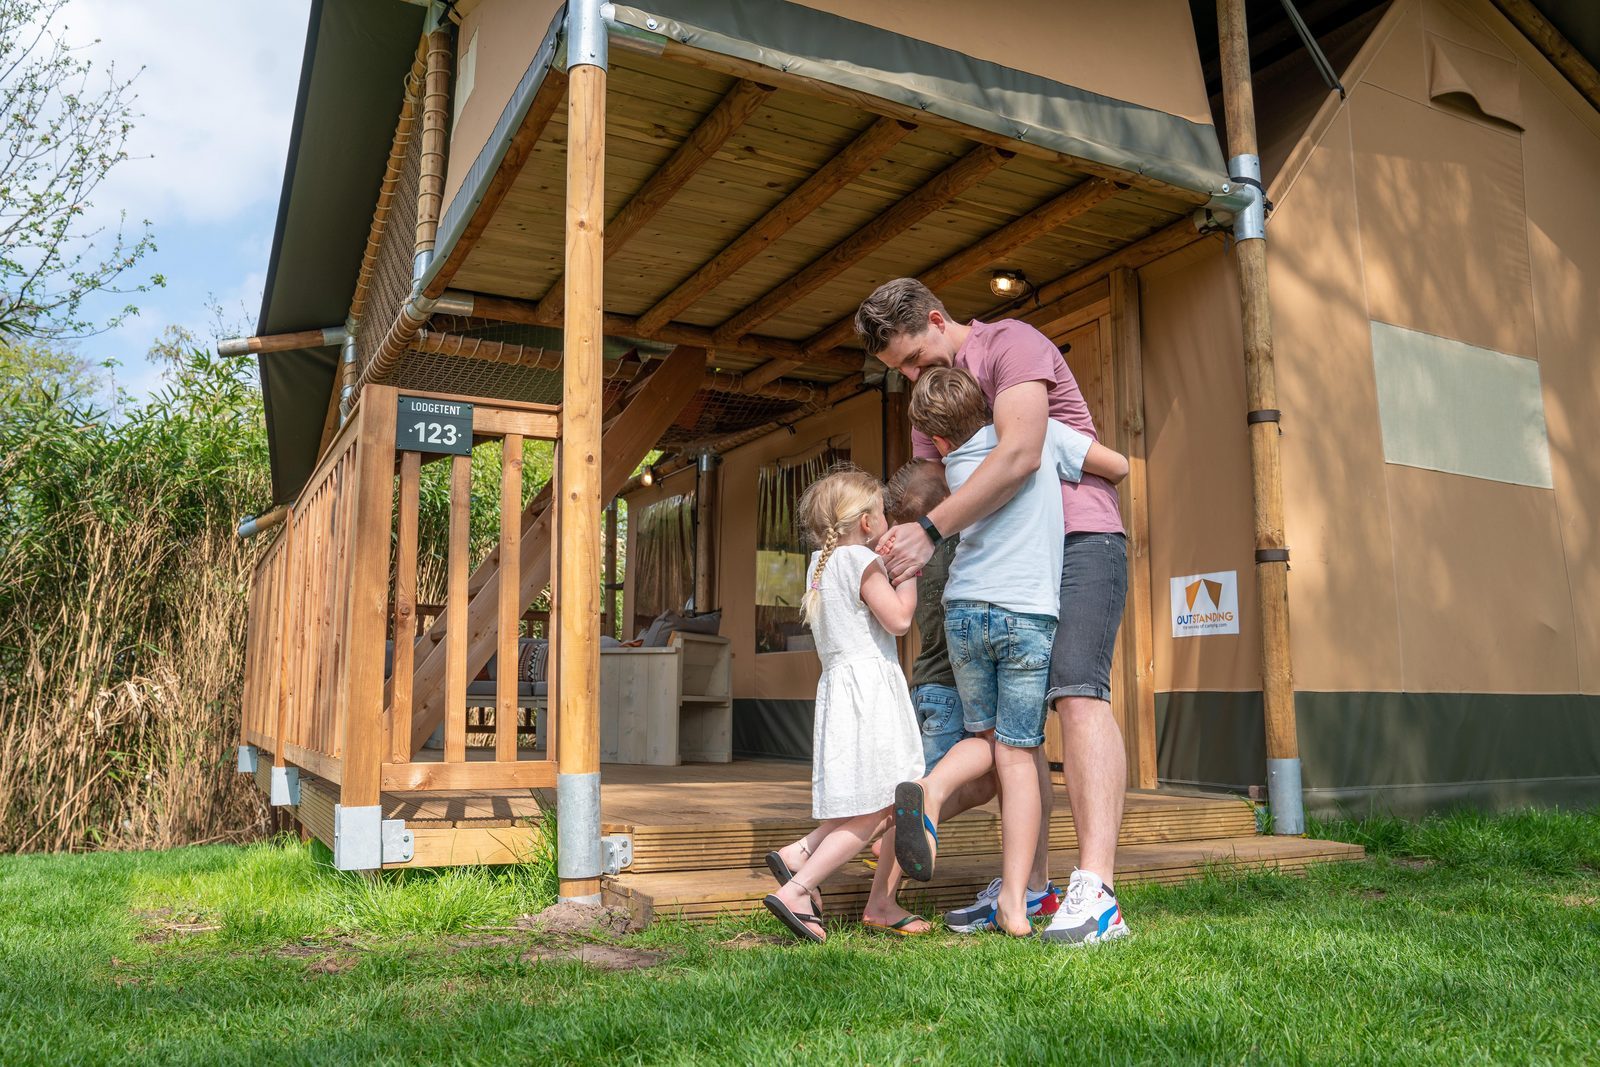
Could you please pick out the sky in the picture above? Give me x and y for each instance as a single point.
(216, 98)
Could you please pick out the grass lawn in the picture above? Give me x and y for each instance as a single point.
(1463, 940)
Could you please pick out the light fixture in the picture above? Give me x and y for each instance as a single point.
(647, 477)
(1008, 283)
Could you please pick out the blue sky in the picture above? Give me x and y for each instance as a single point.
(216, 98)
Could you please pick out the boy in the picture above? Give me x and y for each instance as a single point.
(913, 491)
(1001, 605)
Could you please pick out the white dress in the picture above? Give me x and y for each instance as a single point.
(865, 739)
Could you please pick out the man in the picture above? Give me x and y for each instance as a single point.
(1027, 383)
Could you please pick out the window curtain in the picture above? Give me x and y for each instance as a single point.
(663, 578)
(781, 549)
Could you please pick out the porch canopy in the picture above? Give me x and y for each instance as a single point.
(767, 165)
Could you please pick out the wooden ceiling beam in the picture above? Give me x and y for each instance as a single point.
(870, 146)
(1533, 25)
(935, 194)
(536, 357)
(731, 112)
(1075, 202)
(510, 309)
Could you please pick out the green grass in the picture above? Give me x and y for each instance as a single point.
(1464, 940)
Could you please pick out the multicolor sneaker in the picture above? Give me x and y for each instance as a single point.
(980, 914)
(1089, 914)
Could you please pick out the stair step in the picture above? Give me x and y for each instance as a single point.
(708, 894)
(726, 846)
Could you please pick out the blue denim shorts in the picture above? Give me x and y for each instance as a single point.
(939, 715)
(1002, 665)
(1094, 585)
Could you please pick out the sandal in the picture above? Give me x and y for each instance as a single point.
(780, 871)
(899, 928)
(916, 840)
(798, 922)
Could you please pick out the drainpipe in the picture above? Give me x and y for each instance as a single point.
(1272, 551)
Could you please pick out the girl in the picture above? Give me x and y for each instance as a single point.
(865, 737)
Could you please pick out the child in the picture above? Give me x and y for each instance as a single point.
(1001, 604)
(913, 491)
(865, 737)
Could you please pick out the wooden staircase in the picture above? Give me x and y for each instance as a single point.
(700, 862)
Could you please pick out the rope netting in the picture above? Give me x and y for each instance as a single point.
(391, 272)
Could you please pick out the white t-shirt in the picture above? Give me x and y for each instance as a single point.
(1011, 558)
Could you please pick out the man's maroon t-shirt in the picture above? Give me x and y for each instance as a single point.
(1006, 353)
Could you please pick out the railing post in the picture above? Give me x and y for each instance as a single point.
(578, 517)
(358, 819)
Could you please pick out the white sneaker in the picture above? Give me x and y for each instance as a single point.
(1089, 914)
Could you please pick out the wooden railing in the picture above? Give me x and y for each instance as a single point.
(325, 599)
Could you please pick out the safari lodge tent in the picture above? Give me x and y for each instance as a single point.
(640, 232)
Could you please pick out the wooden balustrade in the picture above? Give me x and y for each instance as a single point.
(325, 598)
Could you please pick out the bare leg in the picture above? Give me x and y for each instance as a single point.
(1019, 833)
(841, 839)
(1039, 875)
(882, 907)
(968, 761)
(1097, 775)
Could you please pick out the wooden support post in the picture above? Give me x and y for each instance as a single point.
(455, 610)
(361, 684)
(578, 502)
(1139, 688)
(705, 529)
(1272, 563)
(506, 658)
(405, 609)
(608, 611)
(285, 628)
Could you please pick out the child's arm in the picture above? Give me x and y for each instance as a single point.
(1110, 465)
(893, 606)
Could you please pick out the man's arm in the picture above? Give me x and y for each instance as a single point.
(1020, 415)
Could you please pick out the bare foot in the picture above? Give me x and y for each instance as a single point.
(1004, 920)
(891, 913)
(801, 903)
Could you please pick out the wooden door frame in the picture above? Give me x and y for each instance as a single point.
(1112, 304)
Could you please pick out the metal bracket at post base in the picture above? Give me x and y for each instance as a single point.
(616, 854)
(249, 759)
(363, 840)
(579, 854)
(285, 789)
(1284, 797)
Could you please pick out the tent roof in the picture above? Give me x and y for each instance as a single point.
(351, 81)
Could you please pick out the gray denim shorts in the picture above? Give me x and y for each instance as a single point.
(1094, 587)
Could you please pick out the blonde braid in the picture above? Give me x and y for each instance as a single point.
(811, 602)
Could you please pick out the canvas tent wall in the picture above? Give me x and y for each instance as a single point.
(1435, 251)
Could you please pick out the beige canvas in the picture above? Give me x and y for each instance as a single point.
(1198, 461)
(1484, 602)
(506, 33)
(1344, 622)
(1085, 44)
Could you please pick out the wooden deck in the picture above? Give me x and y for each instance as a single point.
(701, 832)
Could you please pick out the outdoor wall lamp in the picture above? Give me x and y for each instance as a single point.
(647, 477)
(1008, 283)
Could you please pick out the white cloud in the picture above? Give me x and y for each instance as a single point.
(216, 98)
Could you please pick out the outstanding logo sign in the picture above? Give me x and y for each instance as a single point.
(1205, 604)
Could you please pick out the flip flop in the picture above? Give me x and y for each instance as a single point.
(780, 871)
(899, 928)
(796, 921)
(916, 840)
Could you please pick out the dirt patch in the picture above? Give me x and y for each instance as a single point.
(600, 957)
(165, 924)
(462, 944)
(1576, 900)
(751, 939)
(568, 919)
(336, 963)
(1374, 894)
(1412, 863)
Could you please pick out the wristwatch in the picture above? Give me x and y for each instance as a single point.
(930, 529)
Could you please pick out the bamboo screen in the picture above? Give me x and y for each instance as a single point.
(781, 551)
(663, 572)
